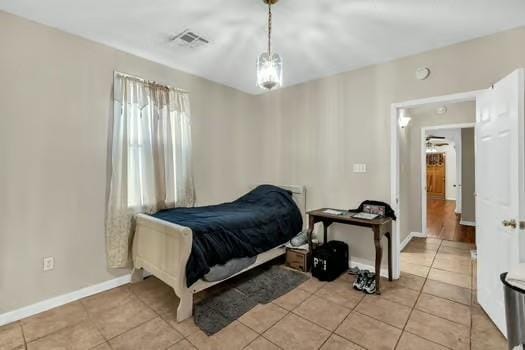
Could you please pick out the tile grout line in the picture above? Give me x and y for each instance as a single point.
(130, 329)
(314, 323)
(95, 325)
(419, 296)
(53, 332)
(340, 323)
(417, 300)
(344, 319)
(156, 313)
(23, 334)
(261, 334)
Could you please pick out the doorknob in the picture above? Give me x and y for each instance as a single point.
(509, 223)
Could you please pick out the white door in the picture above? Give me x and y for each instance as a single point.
(499, 188)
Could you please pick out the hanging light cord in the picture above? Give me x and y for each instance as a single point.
(269, 28)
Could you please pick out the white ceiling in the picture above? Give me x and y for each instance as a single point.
(315, 37)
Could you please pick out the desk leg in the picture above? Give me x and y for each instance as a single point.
(389, 237)
(310, 230)
(379, 257)
(326, 224)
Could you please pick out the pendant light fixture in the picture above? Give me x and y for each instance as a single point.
(269, 64)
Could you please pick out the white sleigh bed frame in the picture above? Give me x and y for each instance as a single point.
(162, 248)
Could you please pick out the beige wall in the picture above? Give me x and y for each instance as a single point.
(324, 126)
(468, 183)
(410, 155)
(54, 115)
(55, 109)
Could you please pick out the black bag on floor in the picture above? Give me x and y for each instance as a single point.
(330, 260)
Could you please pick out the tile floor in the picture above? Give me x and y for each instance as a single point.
(432, 306)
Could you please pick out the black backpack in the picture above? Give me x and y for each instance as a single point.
(330, 260)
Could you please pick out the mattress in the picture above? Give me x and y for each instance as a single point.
(256, 222)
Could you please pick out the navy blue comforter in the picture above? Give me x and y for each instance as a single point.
(256, 222)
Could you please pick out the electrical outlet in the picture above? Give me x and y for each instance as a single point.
(49, 263)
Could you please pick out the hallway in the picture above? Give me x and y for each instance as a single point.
(443, 222)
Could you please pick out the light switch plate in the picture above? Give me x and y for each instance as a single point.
(49, 263)
(359, 168)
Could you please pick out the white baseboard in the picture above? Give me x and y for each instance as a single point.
(407, 240)
(451, 199)
(30, 310)
(409, 237)
(419, 234)
(367, 266)
(467, 223)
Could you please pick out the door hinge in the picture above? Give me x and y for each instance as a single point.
(522, 225)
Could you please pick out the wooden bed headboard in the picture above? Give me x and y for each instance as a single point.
(299, 196)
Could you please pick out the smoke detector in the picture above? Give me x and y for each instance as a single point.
(189, 38)
(422, 73)
(441, 110)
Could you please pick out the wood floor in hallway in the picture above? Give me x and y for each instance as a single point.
(443, 222)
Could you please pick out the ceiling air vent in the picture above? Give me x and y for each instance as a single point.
(188, 38)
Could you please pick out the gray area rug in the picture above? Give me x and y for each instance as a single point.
(258, 286)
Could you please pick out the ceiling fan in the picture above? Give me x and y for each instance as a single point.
(433, 137)
(431, 141)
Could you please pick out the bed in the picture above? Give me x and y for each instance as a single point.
(164, 243)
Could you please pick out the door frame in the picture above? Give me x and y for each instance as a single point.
(394, 159)
(423, 175)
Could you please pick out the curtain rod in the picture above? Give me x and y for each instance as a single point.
(126, 75)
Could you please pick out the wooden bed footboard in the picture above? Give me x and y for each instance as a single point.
(163, 248)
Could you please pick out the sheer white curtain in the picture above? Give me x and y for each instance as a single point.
(151, 158)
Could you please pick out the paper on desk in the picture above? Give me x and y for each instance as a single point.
(333, 212)
(366, 216)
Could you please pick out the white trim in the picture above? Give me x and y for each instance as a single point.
(394, 190)
(44, 305)
(459, 176)
(407, 240)
(367, 266)
(452, 98)
(394, 160)
(419, 234)
(423, 179)
(467, 223)
(451, 199)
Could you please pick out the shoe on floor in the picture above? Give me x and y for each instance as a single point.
(370, 286)
(361, 280)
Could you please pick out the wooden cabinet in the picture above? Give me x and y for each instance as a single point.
(436, 175)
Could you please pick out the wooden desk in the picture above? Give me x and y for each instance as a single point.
(380, 226)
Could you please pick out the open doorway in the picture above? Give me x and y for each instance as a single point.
(499, 196)
(436, 152)
(448, 180)
(433, 164)
(436, 158)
